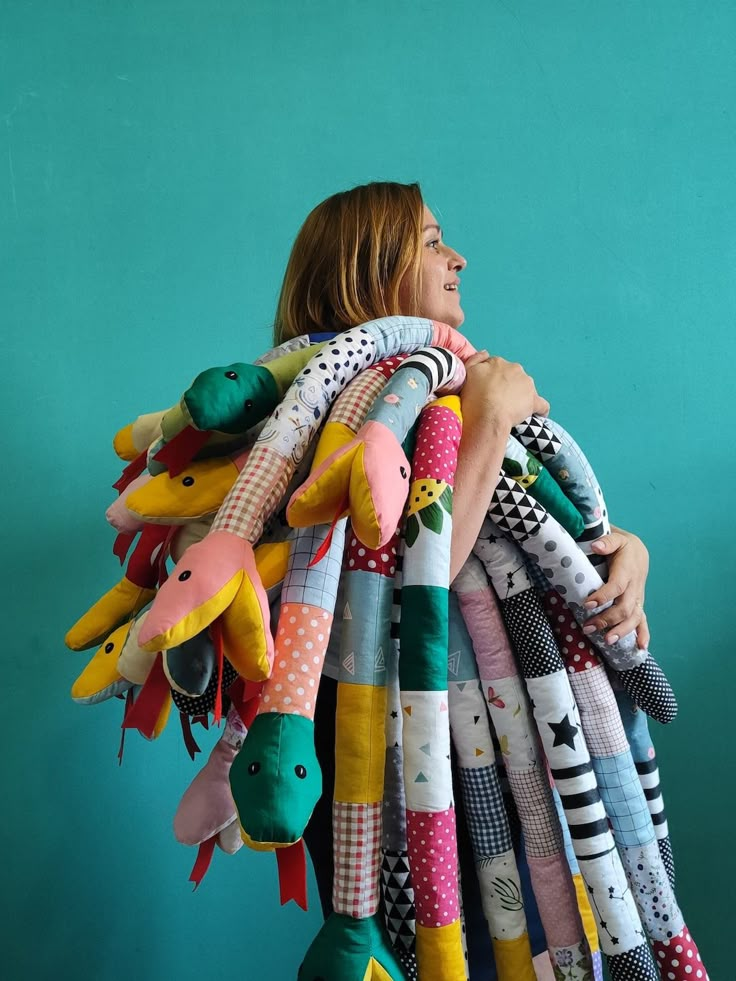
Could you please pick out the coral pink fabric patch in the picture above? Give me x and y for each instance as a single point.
(301, 641)
(439, 435)
(678, 959)
(576, 650)
(433, 860)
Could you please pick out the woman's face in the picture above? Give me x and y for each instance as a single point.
(439, 293)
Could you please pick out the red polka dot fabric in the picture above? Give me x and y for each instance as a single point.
(433, 852)
(678, 959)
(435, 454)
(575, 647)
(389, 365)
(380, 560)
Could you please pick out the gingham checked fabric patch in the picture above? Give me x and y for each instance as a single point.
(599, 715)
(352, 406)
(255, 494)
(484, 811)
(357, 834)
(542, 832)
(626, 805)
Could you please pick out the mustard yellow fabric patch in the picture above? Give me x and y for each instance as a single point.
(197, 491)
(514, 959)
(334, 436)
(586, 913)
(375, 972)
(120, 603)
(360, 753)
(318, 501)
(271, 561)
(363, 514)
(440, 953)
(123, 443)
(244, 633)
(101, 678)
(451, 402)
(163, 718)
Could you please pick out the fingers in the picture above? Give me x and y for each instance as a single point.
(643, 636)
(478, 358)
(541, 406)
(608, 592)
(625, 614)
(609, 544)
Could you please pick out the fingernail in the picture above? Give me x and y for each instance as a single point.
(612, 639)
(589, 629)
(589, 604)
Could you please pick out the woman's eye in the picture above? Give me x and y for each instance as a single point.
(434, 244)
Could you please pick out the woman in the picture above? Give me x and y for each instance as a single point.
(375, 251)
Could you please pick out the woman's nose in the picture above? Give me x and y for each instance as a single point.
(455, 260)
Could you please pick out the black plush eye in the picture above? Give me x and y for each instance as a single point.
(253, 768)
(402, 471)
(232, 375)
(248, 405)
(300, 771)
(109, 647)
(184, 575)
(188, 481)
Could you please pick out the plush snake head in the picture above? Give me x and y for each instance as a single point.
(276, 779)
(228, 399)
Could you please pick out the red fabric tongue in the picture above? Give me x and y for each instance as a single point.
(325, 546)
(147, 707)
(126, 711)
(216, 635)
(122, 545)
(292, 865)
(186, 730)
(134, 469)
(179, 452)
(202, 863)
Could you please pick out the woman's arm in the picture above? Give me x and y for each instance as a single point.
(497, 395)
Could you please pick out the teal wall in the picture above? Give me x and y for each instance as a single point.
(156, 159)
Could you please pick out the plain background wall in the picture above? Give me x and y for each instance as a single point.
(156, 160)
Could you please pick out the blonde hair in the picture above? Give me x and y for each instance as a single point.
(356, 257)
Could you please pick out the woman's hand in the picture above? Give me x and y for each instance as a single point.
(628, 570)
(497, 394)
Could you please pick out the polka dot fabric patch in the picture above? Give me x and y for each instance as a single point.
(433, 855)
(435, 455)
(679, 959)
(649, 688)
(531, 635)
(633, 965)
(575, 648)
(301, 642)
(205, 703)
(382, 561)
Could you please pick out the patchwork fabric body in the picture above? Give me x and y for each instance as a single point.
(330, 463)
